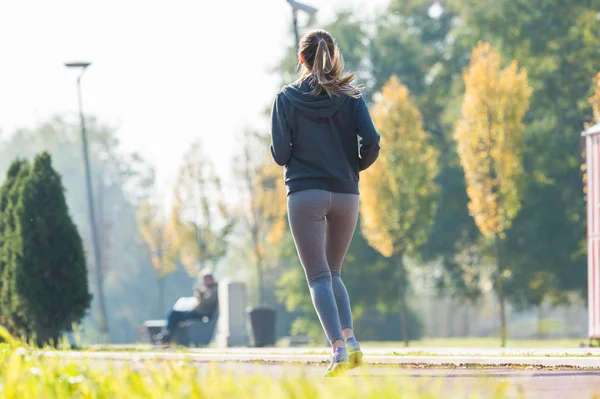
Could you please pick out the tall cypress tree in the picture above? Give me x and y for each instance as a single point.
(49, 276)
(9, 195)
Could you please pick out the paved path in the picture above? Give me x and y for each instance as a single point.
(471, 351)
(518, 384)
(376, 356)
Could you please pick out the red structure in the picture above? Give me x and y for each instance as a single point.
(592, 154)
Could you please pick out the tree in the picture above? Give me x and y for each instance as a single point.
(202, 221)
(414, 40)
(159, 235)
(399, 193)
(122, 177)
(49, 286)
(595, 98)
(557, 43)
(9, 196)
(490, 144)
(263, 207)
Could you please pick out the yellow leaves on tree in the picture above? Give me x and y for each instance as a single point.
(202, 219)
(270, 200)
(490, 141)
(263, 207)
(160, 237)
(595, 98)
(398, 193)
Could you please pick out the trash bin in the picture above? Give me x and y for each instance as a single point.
(262, 321)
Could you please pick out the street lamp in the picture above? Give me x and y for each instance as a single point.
(90, 198)
(302, 7)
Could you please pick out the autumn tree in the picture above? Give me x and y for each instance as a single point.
(490, 144)
(561, 55)
(159, 235)
(263, 207)
(399, 195)
(595, 98)
(202, 221)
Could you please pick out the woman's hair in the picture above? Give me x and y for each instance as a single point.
(324, 65)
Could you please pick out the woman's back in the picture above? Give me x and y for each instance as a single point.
(315, 137)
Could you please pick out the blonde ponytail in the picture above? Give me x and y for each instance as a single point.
(326, 70)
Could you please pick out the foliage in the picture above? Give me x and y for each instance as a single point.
(556, 42)
(120, 184)
(399, 193)
(45, 265)
(399, 196)
(263, 206)
(10, 316)
(377, 326)
(489, 144)
(158, 234)
(415, 41)
(490, 141)
(202, 221)
(595, 98)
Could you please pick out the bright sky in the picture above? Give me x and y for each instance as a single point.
(163, 72)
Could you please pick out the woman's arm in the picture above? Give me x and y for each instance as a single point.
(369, 143)
(281, 138)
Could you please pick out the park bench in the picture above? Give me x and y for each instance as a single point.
(227, 325)
(196, 332)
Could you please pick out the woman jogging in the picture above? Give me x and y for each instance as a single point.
(315, 123)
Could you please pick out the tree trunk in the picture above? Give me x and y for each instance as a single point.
(540, 321)
(260, 283)
(402, 300)
(466, 330)
(450, 314)
(500, 292)
(161, 296)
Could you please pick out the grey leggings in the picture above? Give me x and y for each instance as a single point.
(322, 225)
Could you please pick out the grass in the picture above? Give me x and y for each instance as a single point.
(26, 373)
(26, 376)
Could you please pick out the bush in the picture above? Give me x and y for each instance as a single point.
(45, 286)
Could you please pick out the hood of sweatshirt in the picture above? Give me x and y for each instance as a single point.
(319, 107)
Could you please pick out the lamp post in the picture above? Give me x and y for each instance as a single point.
(302, 7)
(90, 199)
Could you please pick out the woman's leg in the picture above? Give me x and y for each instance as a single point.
(341, 223)
(307, 211)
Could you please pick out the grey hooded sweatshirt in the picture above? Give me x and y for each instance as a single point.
(315, 138)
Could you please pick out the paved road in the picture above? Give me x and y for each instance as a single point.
(374, 350)
(518, 383)
(371, 357)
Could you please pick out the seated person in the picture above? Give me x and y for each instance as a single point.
(207, 296)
